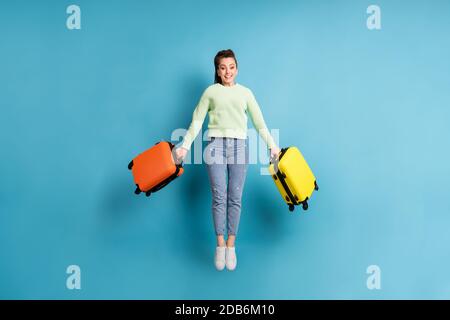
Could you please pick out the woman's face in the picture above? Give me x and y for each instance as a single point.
(227, 71)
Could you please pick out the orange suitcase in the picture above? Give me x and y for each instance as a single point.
(155, 168)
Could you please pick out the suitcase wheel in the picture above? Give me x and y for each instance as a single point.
(137, 191)
(316, 187)
(291, 207)
(130, 165)
(148, 193)
(305, 205)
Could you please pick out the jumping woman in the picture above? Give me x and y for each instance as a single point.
(227, 104)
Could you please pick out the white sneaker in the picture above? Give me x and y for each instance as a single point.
(219, 258)
(230, 258)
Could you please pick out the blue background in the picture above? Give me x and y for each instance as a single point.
(368, 108)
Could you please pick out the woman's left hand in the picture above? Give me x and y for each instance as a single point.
(274, 152)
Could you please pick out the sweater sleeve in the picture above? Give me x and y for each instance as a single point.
(258, 120)
(198, 117)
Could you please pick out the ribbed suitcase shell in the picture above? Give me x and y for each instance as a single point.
(154, 166)
(297, 176)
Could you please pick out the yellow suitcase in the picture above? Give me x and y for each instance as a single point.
(293, 177)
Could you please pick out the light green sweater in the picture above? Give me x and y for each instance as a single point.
(227, 108)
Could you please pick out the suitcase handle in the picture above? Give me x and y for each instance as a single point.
(179, 165)
(274, 160)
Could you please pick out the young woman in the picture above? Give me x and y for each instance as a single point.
(227, 104)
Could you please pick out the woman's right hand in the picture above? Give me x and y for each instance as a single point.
(180, 154)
